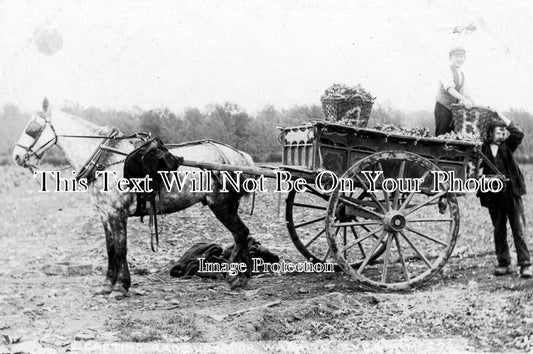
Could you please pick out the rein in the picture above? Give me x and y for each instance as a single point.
(141, 135)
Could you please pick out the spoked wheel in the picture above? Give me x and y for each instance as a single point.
(417, 229)
(305, 217)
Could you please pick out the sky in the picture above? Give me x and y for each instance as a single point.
(179, 54)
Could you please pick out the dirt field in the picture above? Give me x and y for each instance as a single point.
(464, 303)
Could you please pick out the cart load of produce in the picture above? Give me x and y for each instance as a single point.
(390, 128)
(347, 105)
(424, 133)
(460, 136)
(473, 121)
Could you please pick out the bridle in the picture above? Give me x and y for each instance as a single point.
(34, 130)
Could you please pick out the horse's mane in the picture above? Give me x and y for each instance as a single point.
(96, 129)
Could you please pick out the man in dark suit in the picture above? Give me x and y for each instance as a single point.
(506, 204)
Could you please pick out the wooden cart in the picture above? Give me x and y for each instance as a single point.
(392, 240)
(382, 237)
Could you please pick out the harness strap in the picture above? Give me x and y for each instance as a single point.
(140, 135)
(221, 153)
(87, 169)
(154, 232)
(204, 141)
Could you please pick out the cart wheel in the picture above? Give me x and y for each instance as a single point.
(418, 229)
(305, 215)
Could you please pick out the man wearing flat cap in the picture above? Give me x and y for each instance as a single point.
(451, 90)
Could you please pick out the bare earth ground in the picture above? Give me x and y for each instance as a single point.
(464, 307)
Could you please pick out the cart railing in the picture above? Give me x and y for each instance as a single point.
(336, 147)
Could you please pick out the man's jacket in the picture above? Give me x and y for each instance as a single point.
(516, 179)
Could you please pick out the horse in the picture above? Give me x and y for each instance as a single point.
(78, 138)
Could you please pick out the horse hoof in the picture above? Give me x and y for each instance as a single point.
(105, 290)
(119, 292)
(237, 281)
(118, 295)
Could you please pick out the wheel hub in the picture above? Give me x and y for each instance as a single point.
(394, 221)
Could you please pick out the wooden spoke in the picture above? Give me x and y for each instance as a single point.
(357, 223)
(359, 244)
(327, 254)
(344, 239)
(360, 202)
(426, 236)
(315, 238)
(367, 258)
(386, 260)
(402, 260)
(305, 215)
(362, 238)
(309, 222)
(310, 206)
(397, 192)
(430, 220)
(367, 216)
(429, 200)
(385, 193)
(371, 194)
(415, 249)
(313, 191)
(353, 202)
(412, 194)
(365, 228)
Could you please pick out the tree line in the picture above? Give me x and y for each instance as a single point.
(228, 123)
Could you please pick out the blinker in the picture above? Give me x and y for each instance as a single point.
(33, 129)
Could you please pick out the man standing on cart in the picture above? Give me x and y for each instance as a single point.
(506, 204)
(451, 90)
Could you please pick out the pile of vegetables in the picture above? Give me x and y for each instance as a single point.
(338, 91)
(390, 128)
(425, 133)
(459, 136)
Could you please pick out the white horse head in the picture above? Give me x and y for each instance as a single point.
(73, 135)
(38, 136)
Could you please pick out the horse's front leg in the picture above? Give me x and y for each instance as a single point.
(119, 222)
(111, 273)
(118, 275)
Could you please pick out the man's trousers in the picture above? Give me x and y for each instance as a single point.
(512, 209)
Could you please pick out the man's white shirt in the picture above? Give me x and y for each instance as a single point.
(446, 78)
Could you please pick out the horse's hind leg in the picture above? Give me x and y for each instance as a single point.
(225, 207)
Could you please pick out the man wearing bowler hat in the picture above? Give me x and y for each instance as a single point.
(451, 90)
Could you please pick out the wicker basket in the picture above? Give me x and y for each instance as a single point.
(475, 120)
(351, 111)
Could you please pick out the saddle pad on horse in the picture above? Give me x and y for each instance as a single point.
(147, 160)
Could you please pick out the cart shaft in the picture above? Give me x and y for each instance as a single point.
(256, 171)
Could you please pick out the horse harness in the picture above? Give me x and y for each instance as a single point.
(35, 129)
